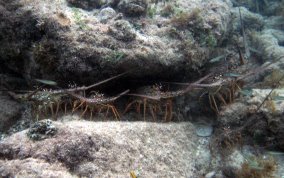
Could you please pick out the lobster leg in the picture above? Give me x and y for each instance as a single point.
(144, 107)
(84, 111)
(128, 106)
(57, 108)
(221, 98)
(115, 112)
(151, 108)
(51, 109)
(170, 104)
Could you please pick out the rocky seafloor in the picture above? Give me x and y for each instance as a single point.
(151, 112)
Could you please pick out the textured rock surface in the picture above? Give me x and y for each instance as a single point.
(106, 14)
(268, 43)
(133, 7)
(87, 4)
(104, 149)
(76, 41)
(32, 168)
(10, 112)
(71, 44)
(250, 20)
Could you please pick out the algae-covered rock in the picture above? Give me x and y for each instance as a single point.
(263, 7)
(133, 8)
(275, 22)
(250, 20)
(87, 4)
(106, 14)
(122, 30)
(10, 112)
(233, 114)
(70, 44)
(268, 43)
(42, 130)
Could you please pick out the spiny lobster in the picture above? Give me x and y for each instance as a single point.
(44, 100)
(98, 102)
(154, 98)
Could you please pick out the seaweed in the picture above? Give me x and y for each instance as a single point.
(274, 78)
(167, 11)
(276, 84)
(257, 167)
(151, 11)
(79, 19)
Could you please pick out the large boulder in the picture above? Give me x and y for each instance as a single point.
(103, 149)
(70, 44)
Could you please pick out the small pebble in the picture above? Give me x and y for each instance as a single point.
(210, 174)
(203, 130)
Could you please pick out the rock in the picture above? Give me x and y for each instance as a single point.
(104, 149)
(204, 130)
(275, 22)
(113, 3)
(206, 19)
(87, 4)
(210, 174)
(273, 8)
(31, 167)
(250, 20)
(106, 14)
(133, 8)
(42, 130)
(10, 112)
(262, 7)
(233, 114)
(203, 155)
(122, 30)
(235, 160)
(17, 31)
(276, 127)
(279, 138)
(65, 44)
(268, 43)
(271, 106)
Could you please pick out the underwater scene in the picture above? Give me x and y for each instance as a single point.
(141, 88)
